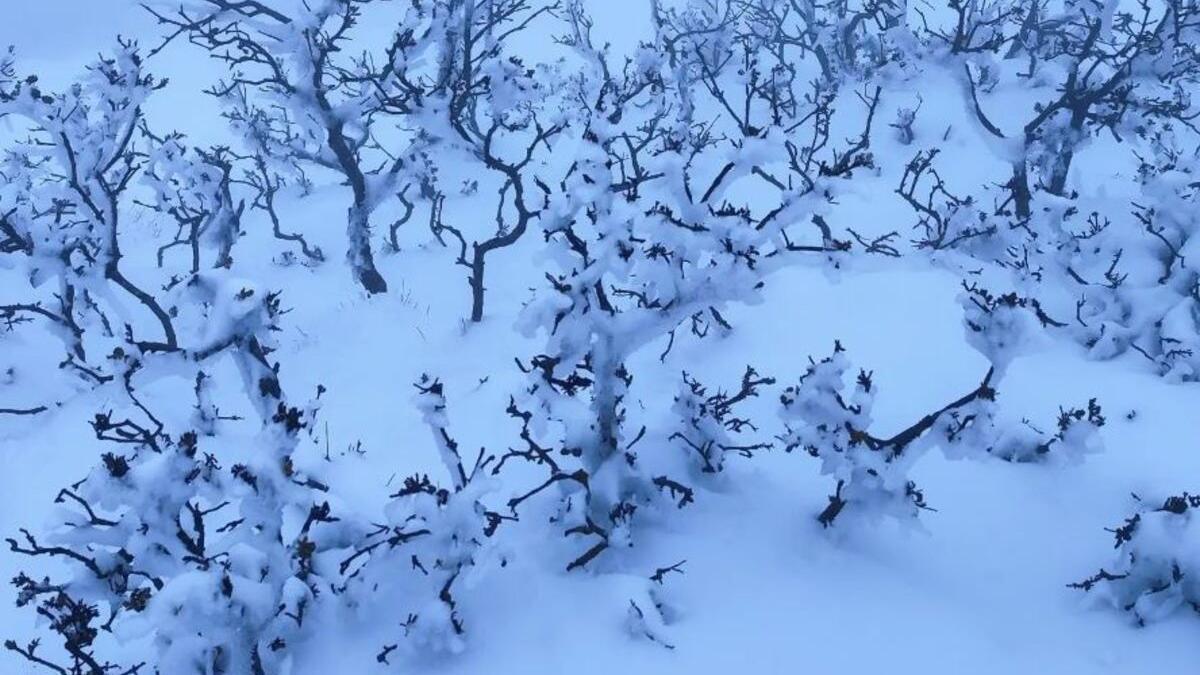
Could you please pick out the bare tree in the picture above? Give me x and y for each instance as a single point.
(67, 196)
(176, 547)
(1107, 76)
(298, 92)
(648, 230)
(501, 118)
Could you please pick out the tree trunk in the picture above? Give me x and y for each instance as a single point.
(1020, 189)
(476, 282)
(1062, 164)
(362, 260)
(607, 390)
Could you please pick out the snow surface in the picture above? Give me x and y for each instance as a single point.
(766, 590)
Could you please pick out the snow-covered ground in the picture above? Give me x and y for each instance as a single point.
(980, 585)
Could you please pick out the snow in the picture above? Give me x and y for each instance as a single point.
(979, 583)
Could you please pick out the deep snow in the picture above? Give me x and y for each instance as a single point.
(766, 589)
